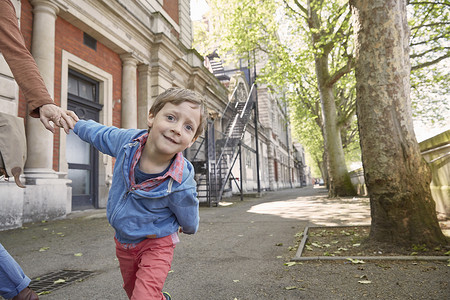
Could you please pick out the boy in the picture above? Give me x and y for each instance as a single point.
(153, 192)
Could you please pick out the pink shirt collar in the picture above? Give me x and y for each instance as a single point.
(175, 171)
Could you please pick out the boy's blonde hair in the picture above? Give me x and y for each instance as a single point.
(177, 96)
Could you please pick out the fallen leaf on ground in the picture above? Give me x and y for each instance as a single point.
(316, 245)
(78, 254)
(59, 281)
(365, 281)
(44, 293)
(44, 249)
(356, 261)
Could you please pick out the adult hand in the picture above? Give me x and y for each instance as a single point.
(61, 118)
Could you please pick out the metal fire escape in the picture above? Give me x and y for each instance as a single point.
(214, 169)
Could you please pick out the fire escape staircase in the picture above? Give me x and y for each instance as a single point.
(214, 173)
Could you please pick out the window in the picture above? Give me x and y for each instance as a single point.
(89, 41)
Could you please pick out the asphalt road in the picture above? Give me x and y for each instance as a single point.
(239, 253)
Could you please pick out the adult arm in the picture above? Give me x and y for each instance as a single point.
(26, 72)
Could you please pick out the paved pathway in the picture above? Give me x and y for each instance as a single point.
(238, 254)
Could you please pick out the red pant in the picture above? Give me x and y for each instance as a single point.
(144, 267)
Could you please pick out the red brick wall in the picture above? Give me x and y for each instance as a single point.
(172, 8)
(70, 38)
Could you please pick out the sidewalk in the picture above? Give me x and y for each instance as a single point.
(239, 253)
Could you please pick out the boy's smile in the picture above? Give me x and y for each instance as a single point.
(172, 129)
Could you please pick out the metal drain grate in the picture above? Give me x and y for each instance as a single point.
(58, 279)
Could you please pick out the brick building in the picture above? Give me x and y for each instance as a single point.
(105, 60)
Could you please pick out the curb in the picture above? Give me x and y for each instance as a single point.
(298, 255)
(405, 258)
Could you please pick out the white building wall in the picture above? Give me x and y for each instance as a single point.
(186, 35)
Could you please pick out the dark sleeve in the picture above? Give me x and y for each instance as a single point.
(20, 61)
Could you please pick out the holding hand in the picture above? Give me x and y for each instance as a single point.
(61, 118)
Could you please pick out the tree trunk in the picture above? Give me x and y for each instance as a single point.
(339, 183)
(397, 178)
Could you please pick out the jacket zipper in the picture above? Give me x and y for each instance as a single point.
(121, 203)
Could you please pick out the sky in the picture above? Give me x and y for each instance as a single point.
(424, 131)
(198, 8)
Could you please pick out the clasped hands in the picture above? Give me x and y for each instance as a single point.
(65, 119)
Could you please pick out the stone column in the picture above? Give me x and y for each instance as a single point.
(129, 91)
(47, 195)
(40, 140)
(144, 95)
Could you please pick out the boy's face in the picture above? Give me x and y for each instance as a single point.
(173, 128)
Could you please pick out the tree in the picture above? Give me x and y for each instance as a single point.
(327, 25)
(314, 62)
(253, 25)
(397, 178)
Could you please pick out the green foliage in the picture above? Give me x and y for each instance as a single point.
(239, 27)
(323, 29)
(289, 36)
(282, 38)
(201, 40)
(420, 248)
(430, 52)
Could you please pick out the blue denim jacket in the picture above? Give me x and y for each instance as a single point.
(137, 214)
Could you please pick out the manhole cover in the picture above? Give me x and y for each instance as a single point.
(58, 279)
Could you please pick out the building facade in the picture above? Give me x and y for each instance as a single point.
(106, 60)
(281, 161)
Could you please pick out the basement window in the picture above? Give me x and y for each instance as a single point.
(89, 41)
